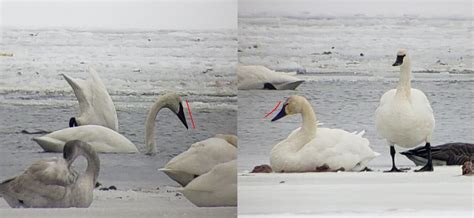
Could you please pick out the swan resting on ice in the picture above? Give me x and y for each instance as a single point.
(260, 77)
(106, 140)
(313, 149)
(216, 188)
(52, 183)
(95, 104)
(201, 157)
(404, 116)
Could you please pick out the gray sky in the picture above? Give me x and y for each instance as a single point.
(118, 14)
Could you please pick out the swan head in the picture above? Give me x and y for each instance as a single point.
(172, 101)
(72, 149)
(291, 106)
(401, 54)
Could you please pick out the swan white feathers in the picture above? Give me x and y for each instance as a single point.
(52, 183)
(404, 116)
(106, 140)
(95, 104)
(310, 148)
(260, 77)
(216, 188)
(201, 157)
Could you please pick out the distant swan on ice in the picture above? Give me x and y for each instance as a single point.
(106, 140)
(95, 103)
(312, 149)
(260, 77)
(52, 183)
(404, 116)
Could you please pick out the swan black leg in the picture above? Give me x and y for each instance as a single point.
(429, 165)
(394, 168)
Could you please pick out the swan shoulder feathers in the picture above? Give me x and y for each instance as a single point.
(95, 104)
(202, 156)
(102, 139)
(335, 148)
(218, 187)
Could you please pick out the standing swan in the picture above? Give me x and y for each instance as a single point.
(310, 148)
(52, 183)
(201, 157)
(107, 140)
(95, 103)
(404, 116)
(216, 188)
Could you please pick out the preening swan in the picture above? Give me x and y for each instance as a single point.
(311, 148)
(216, 188)
(52, 183)
(260, 77)
(107, 140)
(201, 157)
(404, 116)
(95, 103)
(447, 154)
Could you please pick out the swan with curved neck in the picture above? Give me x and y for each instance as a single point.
(95, 104)
(311, 148)
(404, 116)
(52, 183)
(106, 140)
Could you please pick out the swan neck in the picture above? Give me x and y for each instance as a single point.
(404, 83)
(309, 119)
(93, 163)
(150, 126)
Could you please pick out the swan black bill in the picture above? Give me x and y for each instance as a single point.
(280, 114)
(399, 60)
(72, 122)
(180, 115)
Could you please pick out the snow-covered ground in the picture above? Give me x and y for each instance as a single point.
(442, 193)
(162, 202)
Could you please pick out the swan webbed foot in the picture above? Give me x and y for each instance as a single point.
(426, 168)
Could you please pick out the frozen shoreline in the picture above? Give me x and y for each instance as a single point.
(345, 194)
(164, 202)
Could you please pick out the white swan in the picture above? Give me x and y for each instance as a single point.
(102, 139)
(201, 157)
(260, 77)
(107, 140)
(95, 103)
(52, 183)
(310, 148)
(216, 188)
(404, 116)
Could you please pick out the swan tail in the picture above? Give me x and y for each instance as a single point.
(180, 177)
(288, 86)
(361, 133)
(49, 144)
